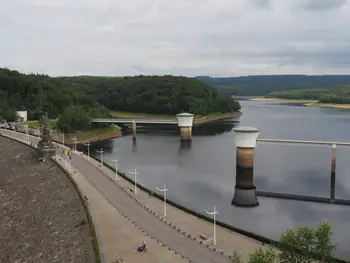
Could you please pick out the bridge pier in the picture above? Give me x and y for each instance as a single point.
(185, 122)
(133, 130)
(245, 191)
(332, 192)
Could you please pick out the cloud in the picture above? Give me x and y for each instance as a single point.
(319, 5)
(183, 37)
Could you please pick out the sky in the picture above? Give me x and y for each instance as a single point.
(179, 37)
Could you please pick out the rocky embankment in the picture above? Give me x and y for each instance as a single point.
(42, 218)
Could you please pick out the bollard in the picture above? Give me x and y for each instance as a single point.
(332, 193)
(245, 191)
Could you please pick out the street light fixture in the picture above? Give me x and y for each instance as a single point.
(134, 173)
(116, 167)
(214, 213)
(101, 152)
(75, 144)
(88, 145)
(164, 190)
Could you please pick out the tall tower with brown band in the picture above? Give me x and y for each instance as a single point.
(185, 123)
(245, 191)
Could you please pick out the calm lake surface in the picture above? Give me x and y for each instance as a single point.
(203, 175)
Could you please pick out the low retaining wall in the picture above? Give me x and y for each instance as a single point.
(305, 198)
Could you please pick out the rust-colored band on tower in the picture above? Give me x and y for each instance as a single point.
(245, 157)
(186, 133)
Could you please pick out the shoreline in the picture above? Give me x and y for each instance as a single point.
(196, 121)
(308, 103)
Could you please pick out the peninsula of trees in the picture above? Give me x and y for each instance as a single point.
(97, 96)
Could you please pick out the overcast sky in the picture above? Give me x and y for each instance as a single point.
(179, 37)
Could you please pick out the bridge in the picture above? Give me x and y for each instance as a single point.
(138, 121)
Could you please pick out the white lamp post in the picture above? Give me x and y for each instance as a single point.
(134, 173)
(101, 152)
(75, 144)
(116, 168)
(214, 215)
(164, 190)
(88, 145)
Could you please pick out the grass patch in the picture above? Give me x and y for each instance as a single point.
(214, 117)
(35, 124)
(97, 134)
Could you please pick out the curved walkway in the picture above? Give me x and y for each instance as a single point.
(166, 231)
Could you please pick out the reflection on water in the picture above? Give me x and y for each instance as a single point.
(202, 174)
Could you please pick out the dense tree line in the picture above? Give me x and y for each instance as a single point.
(144, 94)
(305, 245)
(339, 95)
(262, 85)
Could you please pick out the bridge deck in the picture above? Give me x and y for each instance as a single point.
(129, 121)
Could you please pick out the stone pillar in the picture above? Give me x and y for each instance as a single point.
(185, 122)
(245, 191)
(332, 193)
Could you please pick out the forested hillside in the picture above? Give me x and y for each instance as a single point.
(146, 94)
(263, 85)
(331, 95)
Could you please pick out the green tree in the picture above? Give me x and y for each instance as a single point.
(264, 255)
(307, 244)
(74, 118)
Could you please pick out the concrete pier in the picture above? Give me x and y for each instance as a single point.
(134, 130)
(245, 191)
(332, 192)
(185, 123)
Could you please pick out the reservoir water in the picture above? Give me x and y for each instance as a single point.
(203, 175)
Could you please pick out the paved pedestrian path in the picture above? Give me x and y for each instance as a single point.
(226, 241)
(118, 236)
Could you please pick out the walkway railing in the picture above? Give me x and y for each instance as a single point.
(304, 142)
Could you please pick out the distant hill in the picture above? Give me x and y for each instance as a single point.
(263, 85)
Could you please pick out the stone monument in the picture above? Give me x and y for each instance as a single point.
(45, 146)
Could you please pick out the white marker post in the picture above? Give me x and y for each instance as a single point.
(134, 173)
(164, 190)
(88, 145)
(116, 168)
(214, 215)
(101, 152)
